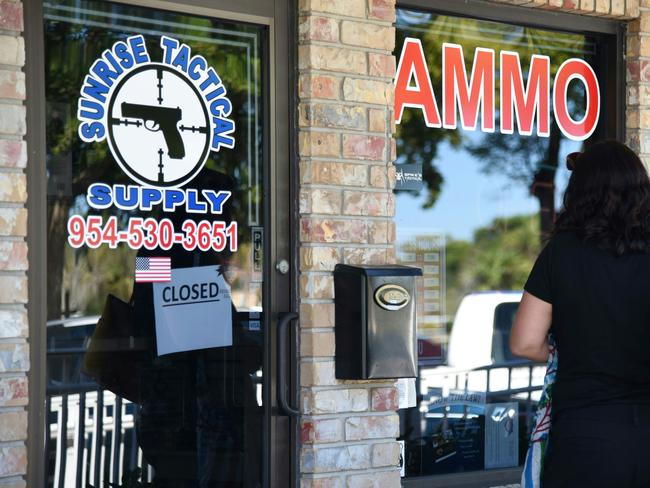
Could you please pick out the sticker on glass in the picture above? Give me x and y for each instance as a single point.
(193, 310)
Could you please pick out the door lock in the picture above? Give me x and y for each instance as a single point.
(282, 266)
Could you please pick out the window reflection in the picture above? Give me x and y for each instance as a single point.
(196, 418)
(475, 226)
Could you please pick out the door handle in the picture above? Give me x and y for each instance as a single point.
(283, 357)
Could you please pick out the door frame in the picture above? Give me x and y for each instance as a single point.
(280, 178)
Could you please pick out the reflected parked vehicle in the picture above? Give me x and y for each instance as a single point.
(480, 366)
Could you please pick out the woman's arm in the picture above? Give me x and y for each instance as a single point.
(529, 334)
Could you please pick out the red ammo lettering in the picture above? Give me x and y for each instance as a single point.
(525, 102)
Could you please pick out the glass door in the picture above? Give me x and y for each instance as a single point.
(159, 202)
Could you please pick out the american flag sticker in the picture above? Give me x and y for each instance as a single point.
(153, 270)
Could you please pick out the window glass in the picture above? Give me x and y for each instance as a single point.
(153, 226)
(486, 113)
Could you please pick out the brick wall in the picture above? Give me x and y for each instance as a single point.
(346, 205)
(638, 82)
(14, 353)
(348, 428)
(604, 8)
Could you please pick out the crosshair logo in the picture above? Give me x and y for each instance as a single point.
(158, 126)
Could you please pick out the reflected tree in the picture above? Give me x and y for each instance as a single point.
(528, 160)
(71, 48)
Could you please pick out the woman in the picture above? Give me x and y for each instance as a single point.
(590, 285)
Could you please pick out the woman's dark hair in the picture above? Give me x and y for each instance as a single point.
(607, 200)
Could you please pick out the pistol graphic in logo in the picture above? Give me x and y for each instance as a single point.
(159, 118)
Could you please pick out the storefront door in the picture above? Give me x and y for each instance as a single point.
(166, 136)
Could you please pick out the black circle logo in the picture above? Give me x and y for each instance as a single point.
(158, 126)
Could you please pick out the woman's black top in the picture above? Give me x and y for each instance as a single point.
(601, 320)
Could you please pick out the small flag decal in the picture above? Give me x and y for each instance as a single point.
(153, 270)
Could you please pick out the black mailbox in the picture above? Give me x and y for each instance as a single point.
(375, 321)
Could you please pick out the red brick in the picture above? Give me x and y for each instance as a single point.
(319, 86)
(325, 430)
(384, 399)
(633, 68)
(363, 147)
(13, 391)
(382, 10)
(11, 15)
(306, 431)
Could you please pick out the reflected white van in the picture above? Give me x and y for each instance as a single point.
(478, 356)
(476, 326)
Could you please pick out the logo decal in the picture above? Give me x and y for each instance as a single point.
(161, 119)
(392, 297)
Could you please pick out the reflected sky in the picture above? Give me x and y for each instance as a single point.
(470, 198)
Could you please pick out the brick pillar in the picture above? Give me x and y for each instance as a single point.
(605, 8)
(348, 428)
(14, 352)
(637, 90)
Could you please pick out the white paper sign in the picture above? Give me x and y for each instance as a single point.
(193, 311)
(406, 393)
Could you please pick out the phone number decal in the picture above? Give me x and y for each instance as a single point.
(150, 233)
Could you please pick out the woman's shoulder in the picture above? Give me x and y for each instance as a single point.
(568, 245)
(564, 238)
(570, 241)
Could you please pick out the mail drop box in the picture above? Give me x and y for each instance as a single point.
(375, 313)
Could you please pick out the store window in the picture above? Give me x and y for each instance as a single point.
(155, 216)
(486, 113)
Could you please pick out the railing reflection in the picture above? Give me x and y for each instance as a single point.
(91, 433)
(91, 439)
(518, 380)
(448, 432)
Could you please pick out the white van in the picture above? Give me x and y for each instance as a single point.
(478, 351)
